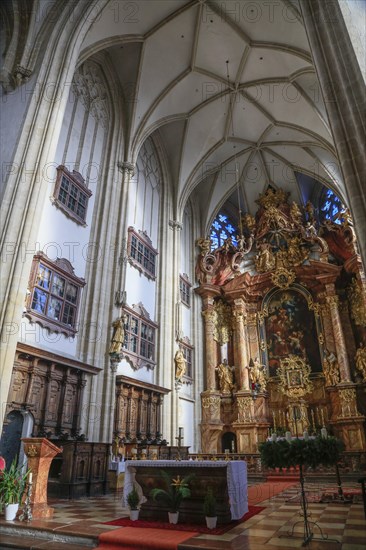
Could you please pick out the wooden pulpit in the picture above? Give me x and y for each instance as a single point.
(40, 453)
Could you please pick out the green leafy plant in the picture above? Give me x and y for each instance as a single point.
(176, 490)
(12, 484)
(133, 499)
(209, 504)
(311, 452)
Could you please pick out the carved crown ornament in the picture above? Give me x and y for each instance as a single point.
(283, 277)
(279, 237)
(294, 376)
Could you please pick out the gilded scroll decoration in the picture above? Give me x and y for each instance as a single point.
(244, 409)
(348, 403)
(211, 401)
(294, 377)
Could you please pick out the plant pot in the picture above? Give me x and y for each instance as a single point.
(11, 511)
(211, 522)
(134, 515)
(173, 517)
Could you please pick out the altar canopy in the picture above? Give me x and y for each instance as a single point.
(227, 478)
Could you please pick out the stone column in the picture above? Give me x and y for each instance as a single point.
(340, 344)
(252, 342)
(343, 90)
(108, 426)
(240, 355)
(209, 316)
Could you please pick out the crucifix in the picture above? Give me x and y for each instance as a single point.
(179, 438)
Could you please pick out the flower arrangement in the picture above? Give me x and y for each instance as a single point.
(12, 484)
(133, 499)
(209, 504)
(176, 490)
(284, 453)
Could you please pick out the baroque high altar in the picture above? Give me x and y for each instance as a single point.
(284, 312)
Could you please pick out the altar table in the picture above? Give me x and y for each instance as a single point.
(228, 480)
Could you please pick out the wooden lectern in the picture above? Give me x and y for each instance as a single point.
(40, 453)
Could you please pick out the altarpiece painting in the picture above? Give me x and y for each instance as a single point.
(291, 330)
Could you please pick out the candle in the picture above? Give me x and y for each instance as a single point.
(322, 415)
(312, 420)
(306, 435)
(227, 451)
(181, 432)
(288, 436)
(30, 477)
(274, 437)
(323, 433)
(233, 447)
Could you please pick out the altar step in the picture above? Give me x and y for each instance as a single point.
(28, 538)
(284, 477)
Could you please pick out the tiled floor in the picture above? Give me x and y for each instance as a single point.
(339, 522)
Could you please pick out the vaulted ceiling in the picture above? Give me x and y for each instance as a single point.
(228, 87)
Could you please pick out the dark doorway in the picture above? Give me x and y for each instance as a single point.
(10, 438)
(229, 442)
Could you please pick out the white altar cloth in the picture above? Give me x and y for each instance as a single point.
(236, 475)
(118, 466)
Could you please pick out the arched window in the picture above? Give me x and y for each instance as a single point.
(221, 229)
(329, 206)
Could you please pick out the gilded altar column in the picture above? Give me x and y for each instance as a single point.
(340, 344)
(240, 355)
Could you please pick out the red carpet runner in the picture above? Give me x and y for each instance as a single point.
(264, 491)
(139, 537)
(168, 537)
(197, 527)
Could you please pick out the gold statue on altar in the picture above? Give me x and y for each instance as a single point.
(360, 359)
(330, 368)
(226, 377)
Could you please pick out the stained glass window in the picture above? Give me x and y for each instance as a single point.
(221, 229)
(330, 206)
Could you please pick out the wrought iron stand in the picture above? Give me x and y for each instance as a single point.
(26, 515)
(308, 532)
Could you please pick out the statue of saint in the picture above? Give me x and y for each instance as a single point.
(118, 337)
(330, 368)
(226, 377)
(257, 375)
(360, 359)
(180, 365)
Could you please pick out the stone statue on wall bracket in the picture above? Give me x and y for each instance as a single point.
(118, 336)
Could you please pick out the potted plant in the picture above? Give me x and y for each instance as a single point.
(176, 490)
(133, 500)
(209, 509)
(12, 487)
